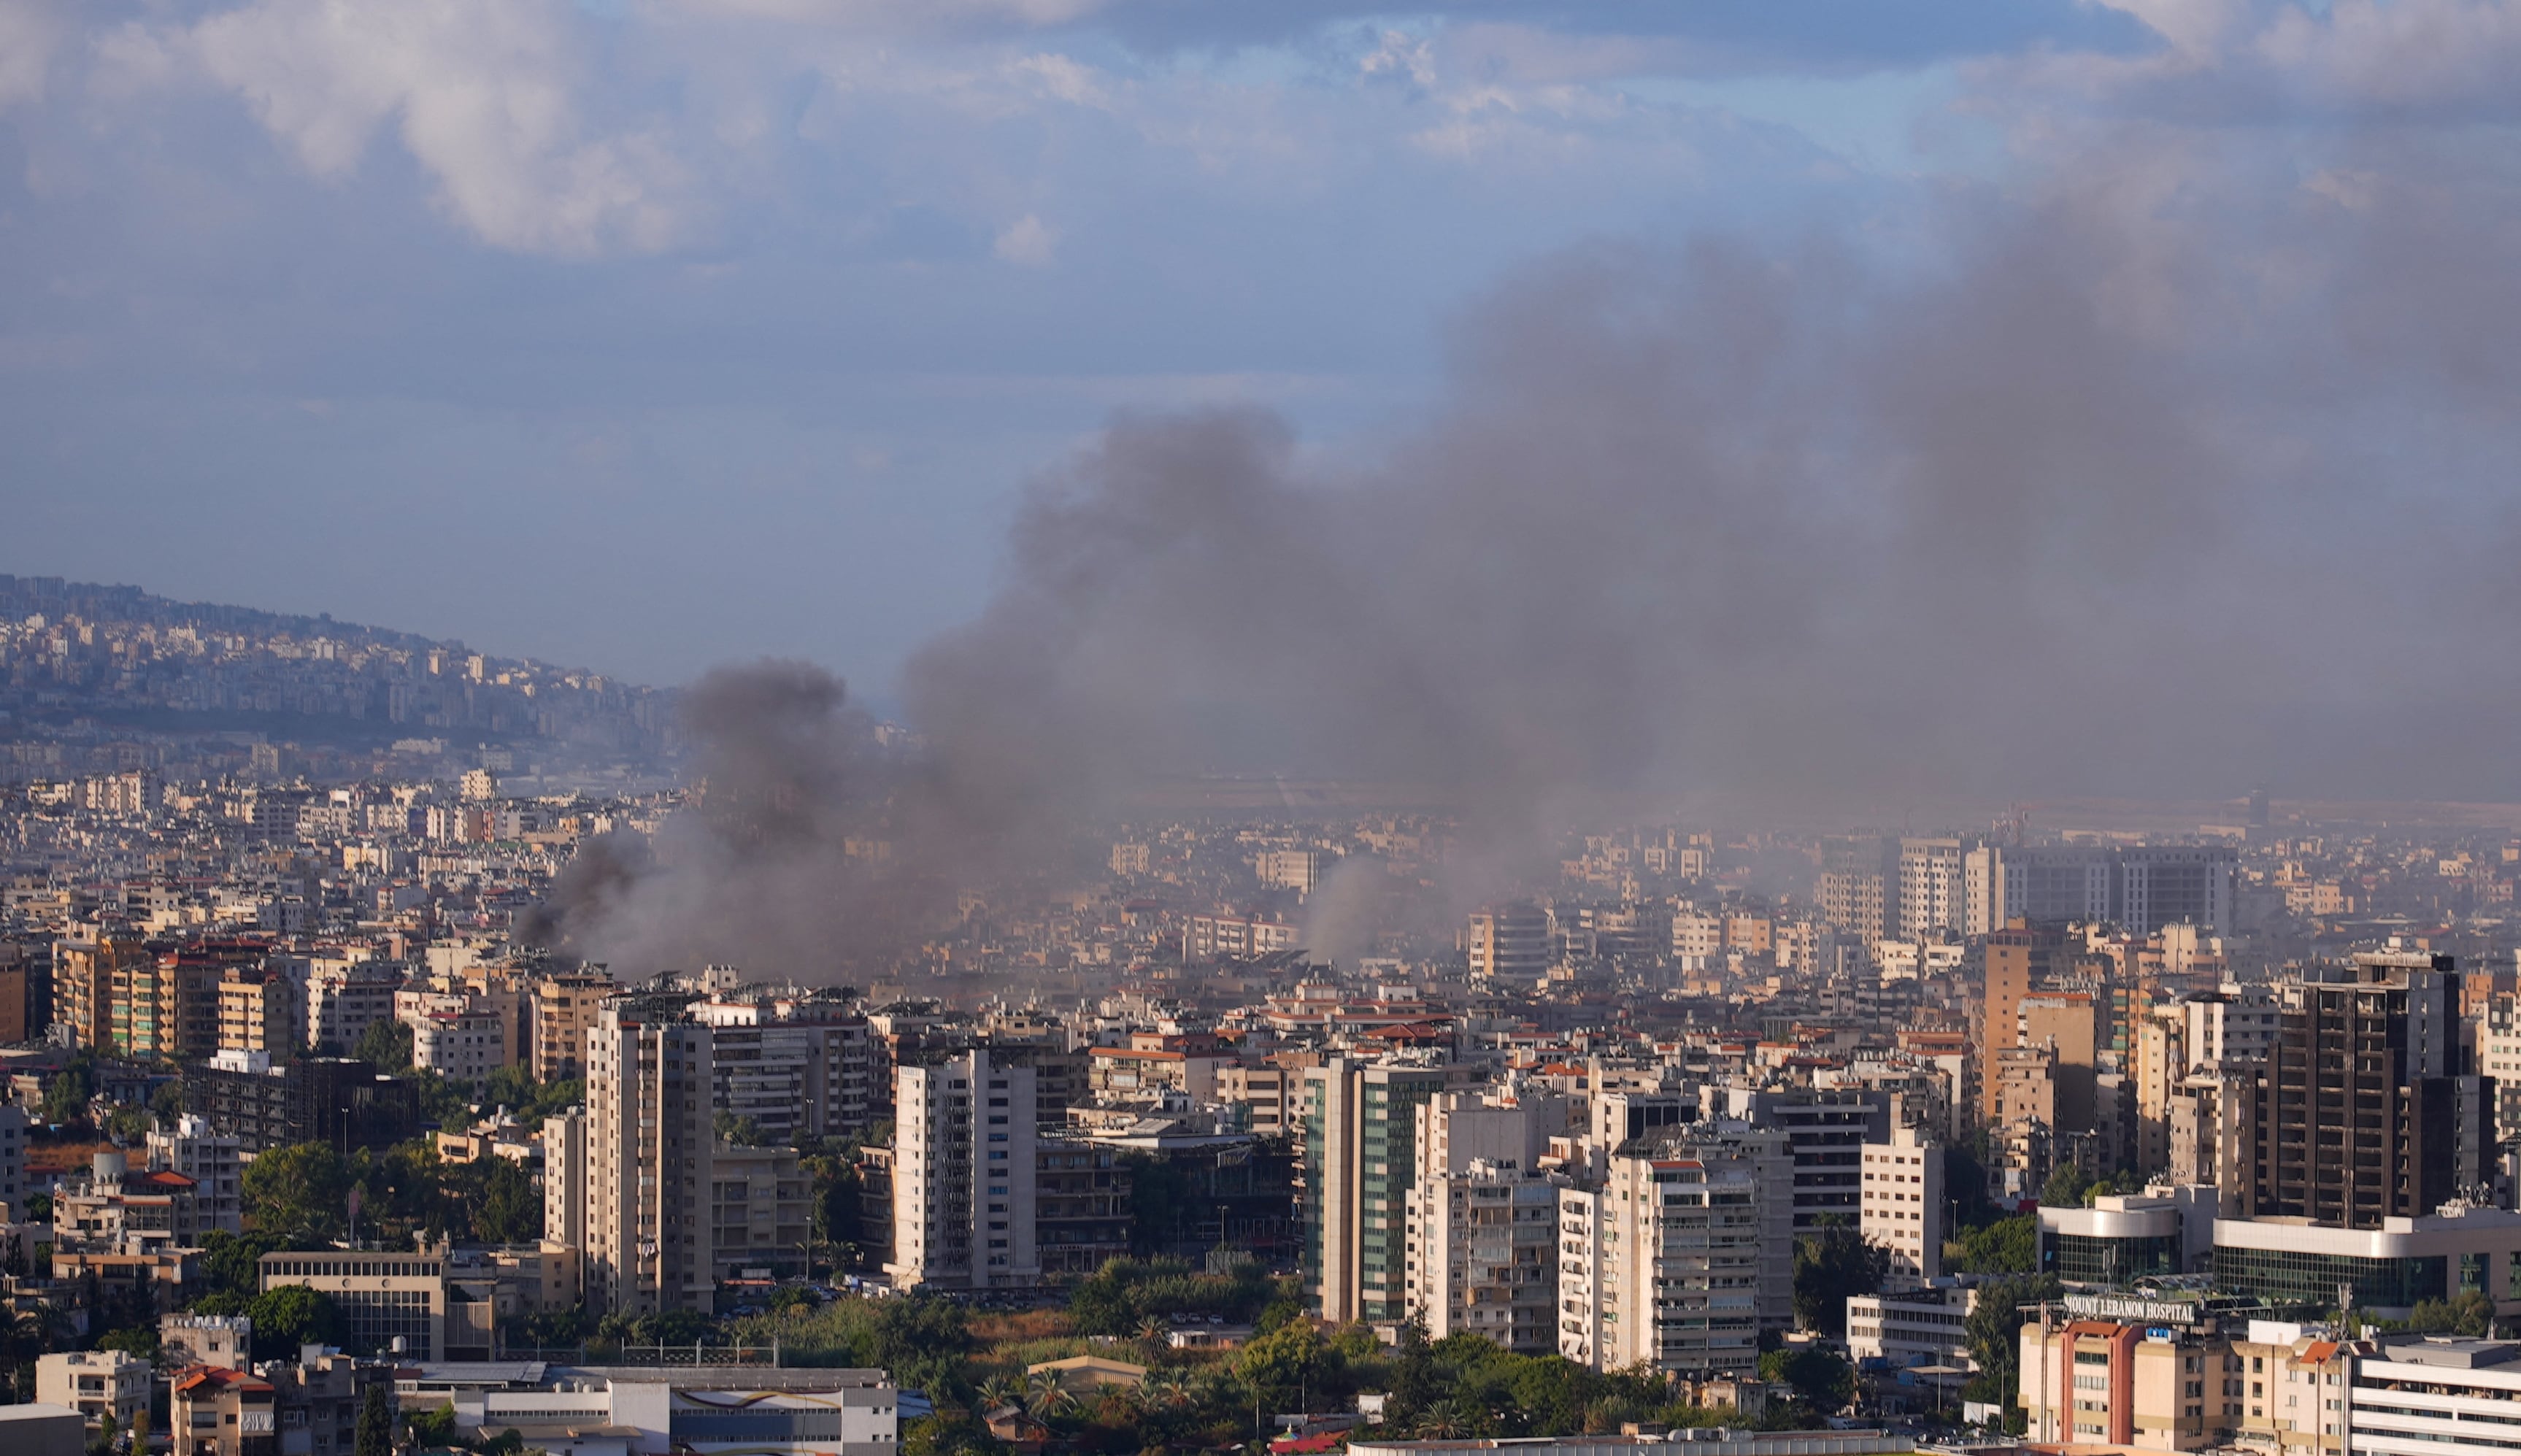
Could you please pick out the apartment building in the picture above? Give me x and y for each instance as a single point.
(964, 1175)
(1483, 1256)
(1902, 1209)
(1672, 1259)
(649, 1160)
(565, 1008)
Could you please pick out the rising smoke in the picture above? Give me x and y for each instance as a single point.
(2154, 491)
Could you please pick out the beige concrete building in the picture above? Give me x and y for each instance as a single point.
(383, 1296)
(94, 1383)
(565, 1008)
(2088, 1382)
(1901, 1209)
(649, 1161)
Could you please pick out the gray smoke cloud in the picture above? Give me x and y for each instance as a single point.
(2189, 472)
(2088, 496)
(796, 859)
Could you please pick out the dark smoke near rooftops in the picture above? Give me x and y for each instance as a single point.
(2156, 499)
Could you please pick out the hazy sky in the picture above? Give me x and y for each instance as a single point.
(649, 334)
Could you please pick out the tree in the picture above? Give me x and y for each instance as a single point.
(2008, 1246)
(1284, 1360)
(386, 1046)
(290, 1316)
(167, 1102)
(1822, 1379)
(297, 1192)
(66, 1091)
(2065, 1187)
(2467, 1313)
(505, 1206)
(434, 1426)
(375, 1435)
(1994, 1330)
(1830, 1266)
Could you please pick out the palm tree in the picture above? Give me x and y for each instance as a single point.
(1167, 1389)
(1153, 1331)
(1000, 1390)
(1047, 1397)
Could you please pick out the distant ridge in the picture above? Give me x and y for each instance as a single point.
(55, 597)
(81, 661)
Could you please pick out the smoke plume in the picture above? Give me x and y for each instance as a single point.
(2191, 471)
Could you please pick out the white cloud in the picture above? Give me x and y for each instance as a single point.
(1028, 242)
(2406, 52)
(30, 32)
(483, 93)
(905, 15)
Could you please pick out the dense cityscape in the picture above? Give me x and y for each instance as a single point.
(1225, 1126)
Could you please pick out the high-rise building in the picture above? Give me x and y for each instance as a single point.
(2361, 1114)
(1484, 1255)
(2162, 1068)
(258, 1008)
(2138, 888)
(87, 967)
(1859, 888)
(760, 1216)
(564, 1139)
(1826, 1129)
(2018, 957)
(1359, 1126)
(2069, 1022)
(1509, 941)
(1680, 1254)
(1299, 870)
(1904, 1209)
(791, 1075)
(344, 998)
(650, 1140)
(1931, 899)
(565, 1010)
(964, 1189)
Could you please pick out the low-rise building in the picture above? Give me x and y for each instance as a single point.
(2126, 1236)
(2296, 1379)
(383, 1296)
(2436, 1395)
(216, 1411)
(2389, 1270)
(2103, 1381)
(1913, 1326)
(96, 1383)
(205, 1339)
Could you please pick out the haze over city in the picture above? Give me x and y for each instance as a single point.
(1260, 727)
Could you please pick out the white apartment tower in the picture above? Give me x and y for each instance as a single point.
(649, 1141)
(1931, 887)
(963, 1189)
(1661, 1265)
(214, 1164)
(1900, 1209)
(1483, 1256)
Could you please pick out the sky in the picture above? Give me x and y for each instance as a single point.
(650, 335)
(645, 333)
